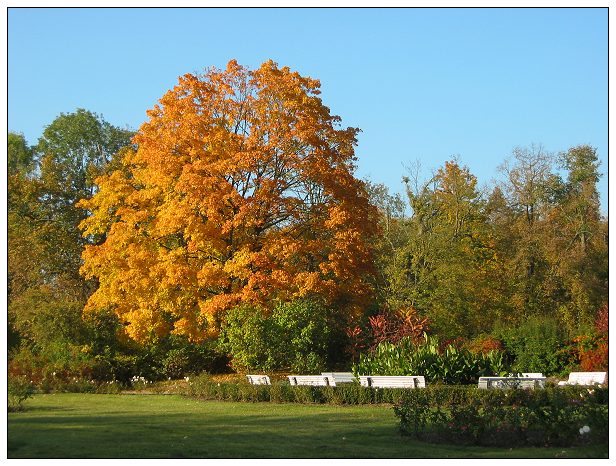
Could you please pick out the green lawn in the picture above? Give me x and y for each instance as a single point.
(158, 426)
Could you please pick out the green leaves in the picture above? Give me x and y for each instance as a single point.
(450, 365)
(297, 335)
(465, 415)
(46, 293)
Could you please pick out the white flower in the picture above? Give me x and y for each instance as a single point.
(584, 430)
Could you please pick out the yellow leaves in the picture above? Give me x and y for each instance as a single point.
(145, 325)
(211, 275)
(241, 190)
(113, 191)
(239, 266)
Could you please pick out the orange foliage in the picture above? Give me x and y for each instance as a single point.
(595, 359)
(241, 190)
(484, 345)
(593, 353)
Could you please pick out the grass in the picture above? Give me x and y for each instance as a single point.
(172, 426)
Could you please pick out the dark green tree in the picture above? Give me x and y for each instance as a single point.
(20, 156)
(447, 264)
(393, 237)
(46, 292)
(579, 249)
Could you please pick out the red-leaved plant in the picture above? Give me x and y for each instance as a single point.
(388, 326)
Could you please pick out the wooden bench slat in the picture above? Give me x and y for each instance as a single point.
(585, 378)
(258, 379)
(339, 377)
(393, 381)
(511, 382)
(316, 380)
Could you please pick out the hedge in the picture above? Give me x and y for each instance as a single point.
(203, 386)
(283, 392)
(555, 416)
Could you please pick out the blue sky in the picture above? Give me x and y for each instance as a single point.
(422, 84)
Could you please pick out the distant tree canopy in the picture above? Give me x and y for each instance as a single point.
(46, 292)
(241, 191)
(534, 246)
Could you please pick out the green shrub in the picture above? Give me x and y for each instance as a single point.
(180, 357)
(281, 392)
(297, 335)
(19, 389)
(537, 345)
(464, 415)
(202, 386)
(173, 357)
(450, 365)
(302, 333)
(246, 335)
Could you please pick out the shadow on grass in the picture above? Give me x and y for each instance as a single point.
(175, 435)
(184, 428)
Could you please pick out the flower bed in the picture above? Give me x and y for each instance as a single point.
(560, 416)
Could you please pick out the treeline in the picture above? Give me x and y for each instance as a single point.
(535, 246)
(530, 256)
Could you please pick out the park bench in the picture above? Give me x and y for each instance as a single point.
(393, 381)
(318, 380)
(531, 374)
(585, 378)
(258, 379)
(339, 377)
(524, 381)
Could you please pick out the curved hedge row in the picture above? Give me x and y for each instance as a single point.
(555, 416)
(203, 386)
(283, 392)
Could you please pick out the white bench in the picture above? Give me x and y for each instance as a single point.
(524, 381)
(585, 378)
(393, 381)
(318, 380)
(258, 379)
(531, 374)
(339, 377)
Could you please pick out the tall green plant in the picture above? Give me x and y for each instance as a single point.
(538, 345)
(296, 335)
(450, 365)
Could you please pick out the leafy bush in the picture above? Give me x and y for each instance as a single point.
(450, 365)
(246, 335)
(537, 345)
(484, 344)
(183, 358)
(595, 359)
(39, 367)
(296, 335)
(83, 369)
(19, 389)
(553, 416)
(302, 334)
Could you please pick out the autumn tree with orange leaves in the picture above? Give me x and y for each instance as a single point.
(241, 190)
